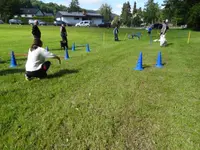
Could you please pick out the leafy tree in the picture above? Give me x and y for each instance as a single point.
(74, 6)
(106, 11)
(134, 8)
(126, 14)
(194, 17)
(151, 12)
(115, 21)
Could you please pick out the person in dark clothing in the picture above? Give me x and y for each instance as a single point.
(36, 31)
(63, 34)
(115, 32)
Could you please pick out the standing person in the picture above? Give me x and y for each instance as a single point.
(63, 34)
(149, 29)
(115, 32)
(36, 31)
(164, 28)
(36, 66)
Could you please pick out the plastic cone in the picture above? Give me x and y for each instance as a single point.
(73, 47)
(66, 53)
(159, 61)
(13, 62)
(47, 49)
(87, 48)
(139, 63)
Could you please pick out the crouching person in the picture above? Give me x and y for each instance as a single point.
(36, 66)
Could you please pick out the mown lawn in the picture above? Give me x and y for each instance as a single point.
(96, 100)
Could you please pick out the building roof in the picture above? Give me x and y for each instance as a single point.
(48, 14)
(78, 14)
(29, 10)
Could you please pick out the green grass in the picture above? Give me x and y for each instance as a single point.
(96, 100)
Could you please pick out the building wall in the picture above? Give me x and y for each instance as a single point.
(96, 21)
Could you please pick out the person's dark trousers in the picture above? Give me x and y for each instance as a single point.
(41, 73)
(116, 37)
(64, 39)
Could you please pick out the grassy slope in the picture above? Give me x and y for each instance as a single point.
(96, 100)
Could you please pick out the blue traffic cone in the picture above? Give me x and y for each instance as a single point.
(13, 60)
(66, 53)
(47, 49)
(87, 48)
(139, 63)
(159, 61)
(73, 47)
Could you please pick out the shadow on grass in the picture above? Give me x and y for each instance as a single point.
(146, 66)
(3, 62)
(168, 44)
(11, 71)
(62, 73)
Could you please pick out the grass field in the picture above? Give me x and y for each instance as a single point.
(96, 100)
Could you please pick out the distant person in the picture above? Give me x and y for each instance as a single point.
(149, 29)
(63, 34)
(36, 31)
(115, 32)
(36, 66)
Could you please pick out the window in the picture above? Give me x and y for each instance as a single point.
(76, 18)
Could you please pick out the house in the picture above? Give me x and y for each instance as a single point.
(48, 14)
(30, 12)
(76, 17)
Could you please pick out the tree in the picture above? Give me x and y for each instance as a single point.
(151, 12)
(115, 22)
(126, 14)
(178, 11)
(106, 11)
(74, 6)
(194, 17)
(134, 8)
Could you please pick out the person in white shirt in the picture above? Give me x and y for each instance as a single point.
(36, 66)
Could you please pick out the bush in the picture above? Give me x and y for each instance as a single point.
(194, 17)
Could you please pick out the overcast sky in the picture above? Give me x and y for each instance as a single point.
(95, 4)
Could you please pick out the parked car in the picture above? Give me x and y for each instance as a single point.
(85, 23)
(42, 23)
(58, 23)
(15, 21)
(1, 22)
(105, 24)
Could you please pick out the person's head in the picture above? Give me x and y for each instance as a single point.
(63, 25)
(36, 22)
(36, 43)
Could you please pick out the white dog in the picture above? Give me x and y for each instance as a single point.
(163, 41)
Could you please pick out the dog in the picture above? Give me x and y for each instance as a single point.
(63, 44)
(163, 41)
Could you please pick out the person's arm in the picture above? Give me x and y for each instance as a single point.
(48, 54)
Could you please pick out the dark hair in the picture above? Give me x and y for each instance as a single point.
(36, 43)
